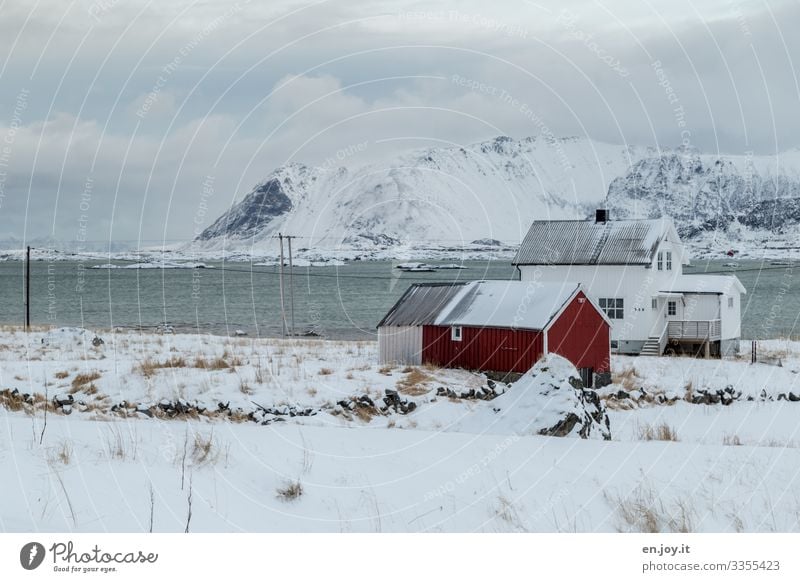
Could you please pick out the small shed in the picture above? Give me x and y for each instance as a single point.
(400, 331)
(500, 326)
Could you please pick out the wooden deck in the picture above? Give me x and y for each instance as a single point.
(694, 330)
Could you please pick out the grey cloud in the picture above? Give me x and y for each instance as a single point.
(178, 100)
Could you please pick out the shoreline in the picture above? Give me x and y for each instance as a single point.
(699, 251)
(179, 330)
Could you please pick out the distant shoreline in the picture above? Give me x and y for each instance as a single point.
(505, 253)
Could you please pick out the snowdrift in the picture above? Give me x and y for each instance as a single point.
(548, 400)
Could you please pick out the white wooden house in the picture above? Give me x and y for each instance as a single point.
(633, 269)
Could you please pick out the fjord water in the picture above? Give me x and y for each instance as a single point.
(336, 302)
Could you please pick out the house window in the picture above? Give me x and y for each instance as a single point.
(669, 260)
(660, 261)
(672, 307)
(730, 302)
(613, 307)
(614, 345)
(654, 303)
(455, 333)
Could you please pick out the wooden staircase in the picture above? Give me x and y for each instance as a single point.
(651, 347)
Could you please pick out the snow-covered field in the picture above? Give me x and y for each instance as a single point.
(239, 434)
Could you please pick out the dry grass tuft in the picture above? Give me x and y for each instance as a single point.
(61, 375)
(627, 379)
(81, 380)
(366, 413)
(149, 366)
(645, 512)
(386, 370)
(237, 416)
(218, 363)
(64, 453)
(732, 440)
(244, 387)
(290, 491)
(661, 432)
(414, 384)
(325, 371)
(11, 401)
(121, 446)
(204, 449)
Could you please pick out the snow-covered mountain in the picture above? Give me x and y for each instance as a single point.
(450, 198)
(704, 192)
(444, 197)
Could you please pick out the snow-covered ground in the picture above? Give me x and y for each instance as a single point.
(446, 464)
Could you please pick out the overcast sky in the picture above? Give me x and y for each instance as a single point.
(115, 113)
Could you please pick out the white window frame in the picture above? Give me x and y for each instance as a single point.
(660, 260)
(672, 308)
(613, 307)
(456, 333)
(669, 261)
(730, 302)
(654, 303)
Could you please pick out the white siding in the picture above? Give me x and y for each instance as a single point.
(633, 283)
(731, 316)
(400, 345)
(697, 306)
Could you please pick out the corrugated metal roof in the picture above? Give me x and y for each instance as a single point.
(511, 304)
(584, 242)
(514, 304)
(421, 304)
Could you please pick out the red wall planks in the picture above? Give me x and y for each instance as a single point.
(581, 335)
(490, 348)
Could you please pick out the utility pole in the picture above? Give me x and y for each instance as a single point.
(291, 283)
(28, 289)
(280, 277)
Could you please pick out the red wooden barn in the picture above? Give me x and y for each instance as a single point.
(501, 326)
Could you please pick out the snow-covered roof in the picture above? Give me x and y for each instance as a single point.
(586, 242)
(719, 284)
(517, 304)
